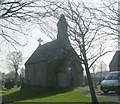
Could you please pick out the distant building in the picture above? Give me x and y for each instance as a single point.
(98, 75)
(55, 64)
(115, 62)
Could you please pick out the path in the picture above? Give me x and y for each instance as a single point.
(109, 96)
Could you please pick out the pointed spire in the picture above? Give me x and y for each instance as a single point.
(62, 29)
(62, 21)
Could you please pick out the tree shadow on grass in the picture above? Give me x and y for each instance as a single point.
(31, 94)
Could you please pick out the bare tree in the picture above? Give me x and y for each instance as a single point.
(86, 35)
(107, 14)
(17, 16)
(91, 43)
(14, 61)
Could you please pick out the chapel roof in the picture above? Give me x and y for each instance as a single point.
(57, 50)
(54, 50)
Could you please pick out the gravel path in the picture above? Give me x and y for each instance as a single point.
(109, 96)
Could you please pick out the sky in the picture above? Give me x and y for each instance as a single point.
(33, 44)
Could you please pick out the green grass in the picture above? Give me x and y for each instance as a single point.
(17, 95)
(71, 96)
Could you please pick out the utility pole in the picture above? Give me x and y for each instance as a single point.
(118, 25)
(95, 84)
(101, 68)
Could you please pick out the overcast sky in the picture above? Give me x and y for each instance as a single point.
(33, 44)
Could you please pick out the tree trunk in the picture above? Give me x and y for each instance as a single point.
(90, 83)
(16, 76)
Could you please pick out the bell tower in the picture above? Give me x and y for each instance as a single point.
(62, 34)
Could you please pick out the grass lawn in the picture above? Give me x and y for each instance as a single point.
(17, 95)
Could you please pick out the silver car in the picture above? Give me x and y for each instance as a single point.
(111, 82)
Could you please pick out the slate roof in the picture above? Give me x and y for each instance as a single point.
(51, 51)
(116, 59)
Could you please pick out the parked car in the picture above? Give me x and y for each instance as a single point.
(111, 82)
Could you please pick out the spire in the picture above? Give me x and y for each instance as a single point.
(62, 29)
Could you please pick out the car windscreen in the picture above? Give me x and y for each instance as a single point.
(113, 76)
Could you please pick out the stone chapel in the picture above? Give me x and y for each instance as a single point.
(56, 63)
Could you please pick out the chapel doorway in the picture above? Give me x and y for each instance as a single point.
(72, 75)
